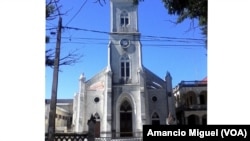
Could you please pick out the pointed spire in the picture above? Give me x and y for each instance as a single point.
(108, 67)
(82, 77)
(75, 94)
(168, 75)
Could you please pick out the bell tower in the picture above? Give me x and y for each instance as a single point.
(125, 63)
(125, 47)
(124, 17)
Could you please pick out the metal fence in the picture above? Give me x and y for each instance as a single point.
(68, 137)
(84, 137)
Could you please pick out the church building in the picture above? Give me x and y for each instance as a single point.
(125, 95)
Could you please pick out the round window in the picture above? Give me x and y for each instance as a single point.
(96, 99)
(154, 98)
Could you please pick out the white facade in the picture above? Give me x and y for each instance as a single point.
(125, 95)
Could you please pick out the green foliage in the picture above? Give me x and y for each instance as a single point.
(50, 9)
(192, 9)
(187, 9)
(136, 2)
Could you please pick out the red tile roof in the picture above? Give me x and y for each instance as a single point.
(204, 79)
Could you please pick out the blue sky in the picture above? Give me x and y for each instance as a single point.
(185, 59)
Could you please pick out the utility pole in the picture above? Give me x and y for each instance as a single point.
(52, 113)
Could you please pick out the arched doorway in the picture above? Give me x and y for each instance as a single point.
(97, 125)
(126, 119)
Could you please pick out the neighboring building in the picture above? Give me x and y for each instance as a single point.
(64, 112)
(125, 95)
(191, 102)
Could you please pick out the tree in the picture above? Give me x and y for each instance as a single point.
(192, 9)
(187, 9)
(52, 12)
(51, 9)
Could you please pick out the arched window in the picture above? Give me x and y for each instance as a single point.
(97, 117)
(126, 107)
(125, 67)
(203, 97)
(191, 98)
(155, 119)
(124, 18)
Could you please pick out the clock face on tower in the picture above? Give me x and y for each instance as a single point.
(124, 43)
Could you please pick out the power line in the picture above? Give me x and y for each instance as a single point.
(90, 30)
(57, 8)
(77, 12)
(146, 36)
(172, 38)
(149, 45)
(143, 40)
